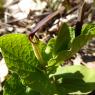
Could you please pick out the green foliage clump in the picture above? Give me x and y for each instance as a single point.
(35, 67)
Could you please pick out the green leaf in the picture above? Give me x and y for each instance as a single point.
(76, 45)
(37, 81)
(29, 91)
(63, 54)
(13, 86)
(63, 39)
(72, 35)
(78, 42)
(87, 28)
(42, 47)
(88, 32)
(74, 78)
(19, 56)
(17, 51)
(50, 51)
(62, 43)
(50, 46)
